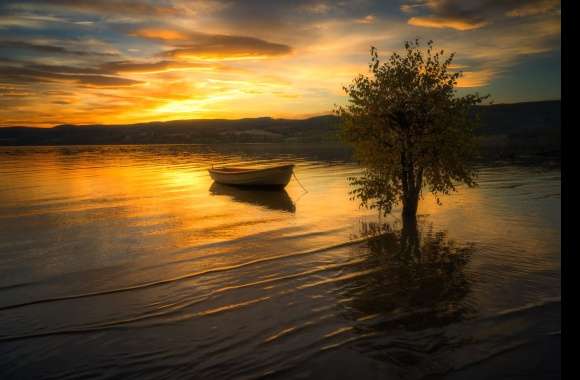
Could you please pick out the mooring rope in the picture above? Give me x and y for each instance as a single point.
(297, 180)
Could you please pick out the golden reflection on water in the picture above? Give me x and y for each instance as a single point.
(136, 243)
(149, 205)
(173, 195)
(128, 202)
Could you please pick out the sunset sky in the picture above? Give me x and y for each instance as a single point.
(125, 61)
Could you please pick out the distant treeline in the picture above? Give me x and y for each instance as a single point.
(505, 127)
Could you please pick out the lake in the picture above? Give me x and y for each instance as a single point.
(128, 262)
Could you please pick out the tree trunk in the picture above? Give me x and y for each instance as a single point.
(412, 180)
(410, 204)
(410, 236)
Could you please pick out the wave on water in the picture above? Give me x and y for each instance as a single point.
(184, 277)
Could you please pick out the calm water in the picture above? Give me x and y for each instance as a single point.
(127, 262)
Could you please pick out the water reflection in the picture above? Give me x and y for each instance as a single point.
(419, 279)
(128, 255)
(277, 200)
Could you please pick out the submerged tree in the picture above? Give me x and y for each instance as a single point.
(409, 129)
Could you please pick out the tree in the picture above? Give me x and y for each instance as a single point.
(409, 129)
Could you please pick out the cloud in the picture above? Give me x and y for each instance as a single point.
(450, 14)
(479, 78)
(491, 53)
(49, 48)
(438, 22)
(11, 74)
(191, 44)
(160, 34)
(534, 8)
(223, 47)
(86, 49)
(369, 19)
(114, 7)
(61, 69)
(315, 8)
(106, 74)
(520, 29)
(153, 67)
(469, 15)
(410, 8)
(28, 21)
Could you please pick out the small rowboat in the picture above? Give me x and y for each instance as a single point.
(266, 177)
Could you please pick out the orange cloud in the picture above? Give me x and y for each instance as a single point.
(160, 34)
(441, 23)
(202, 46)
(476, 78)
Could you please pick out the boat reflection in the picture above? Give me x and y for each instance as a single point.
(277, 200)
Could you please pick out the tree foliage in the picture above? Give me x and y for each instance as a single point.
(409, 128)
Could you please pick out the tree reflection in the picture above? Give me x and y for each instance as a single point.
(418, 280)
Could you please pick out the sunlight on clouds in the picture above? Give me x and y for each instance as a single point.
(475, 78)
(125, 62)
(161, 34)
(208, 96)
(440, 23)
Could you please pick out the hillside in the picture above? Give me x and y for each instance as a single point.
(535, 124)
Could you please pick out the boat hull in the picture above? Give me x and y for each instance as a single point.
(276, 177)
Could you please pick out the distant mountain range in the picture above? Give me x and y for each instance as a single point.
(535, 125)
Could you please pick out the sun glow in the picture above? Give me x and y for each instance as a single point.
(123, 64)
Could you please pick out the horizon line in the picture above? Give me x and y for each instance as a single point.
(242, 118)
